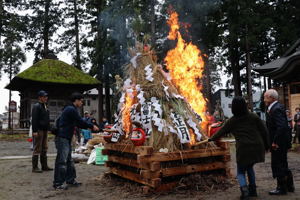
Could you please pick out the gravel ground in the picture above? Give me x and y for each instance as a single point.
(17, 182)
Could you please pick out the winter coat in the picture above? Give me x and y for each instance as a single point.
(251, 138)
(70, 119)
(40, 117)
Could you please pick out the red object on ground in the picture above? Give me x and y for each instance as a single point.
(108, 126)
(29, 139)
(214, 128)
(139, 141)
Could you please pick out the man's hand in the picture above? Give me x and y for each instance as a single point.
(35, 134)
(95, 128)
(274, 146)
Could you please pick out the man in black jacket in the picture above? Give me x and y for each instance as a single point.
(280, 138)
(40, 127)
(64, 165)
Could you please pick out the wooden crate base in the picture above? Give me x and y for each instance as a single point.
(152, 169)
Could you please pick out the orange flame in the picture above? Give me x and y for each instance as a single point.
(193, 137)
(126, 120)
(186, 67)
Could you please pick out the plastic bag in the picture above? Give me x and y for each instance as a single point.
(92, 157)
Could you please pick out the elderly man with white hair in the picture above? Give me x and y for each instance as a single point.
(280, 138)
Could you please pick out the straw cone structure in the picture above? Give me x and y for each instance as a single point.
(140, 88)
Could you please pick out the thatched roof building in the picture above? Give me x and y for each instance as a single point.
(58, 78)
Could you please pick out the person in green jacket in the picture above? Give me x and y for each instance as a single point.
(251, 143)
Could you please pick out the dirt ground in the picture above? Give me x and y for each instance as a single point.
(18, 183)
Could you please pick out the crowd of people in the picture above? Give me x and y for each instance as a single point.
(253, 137)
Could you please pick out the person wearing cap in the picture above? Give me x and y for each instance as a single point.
(40, 127)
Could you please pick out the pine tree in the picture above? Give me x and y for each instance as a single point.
(11, 34)
(74, 18)
(43, 24)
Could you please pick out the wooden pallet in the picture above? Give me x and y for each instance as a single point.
(161, 171)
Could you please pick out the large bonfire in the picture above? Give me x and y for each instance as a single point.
(168, 107)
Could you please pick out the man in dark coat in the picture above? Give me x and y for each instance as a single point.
(64, 164)
(40, 127)
(280, 140)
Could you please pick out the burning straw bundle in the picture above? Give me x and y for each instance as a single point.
(151, 101)
(164, 105)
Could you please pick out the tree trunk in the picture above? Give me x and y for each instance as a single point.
(1, 20)
(99, 62)
(107, 98)
(249, 79)
(234, 52)
(236, 77)
(46, 29)
(77, 42)
(152, 18)
(9, 98)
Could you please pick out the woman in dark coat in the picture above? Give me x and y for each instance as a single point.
(251, 143)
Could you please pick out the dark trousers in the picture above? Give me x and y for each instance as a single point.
(279, 163)
(297, 133)
(64, 166)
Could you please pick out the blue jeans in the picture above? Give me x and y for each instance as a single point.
(241, 175)
(64, 166)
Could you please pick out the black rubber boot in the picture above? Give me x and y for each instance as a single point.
(244, 193)
(44, 163)
(281, 188)
(290, 182)
(35, 161)
(252, 191)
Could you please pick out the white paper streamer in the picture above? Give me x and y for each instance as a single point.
(177, 96)
(146, 117)
(156, 105)
(138, 88)
(138, 117)
(133, 60)
(181, 127)
(118, 125)
(129, 91)
(134, 115)
(166, 90)
(141, 98)
(156, 117)
(127, 83)
(193, 125)
(158, 122)
(149, 73)
(172, 130)
(122, 100)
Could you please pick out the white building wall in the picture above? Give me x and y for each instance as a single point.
(226, 104)
(15, 118)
